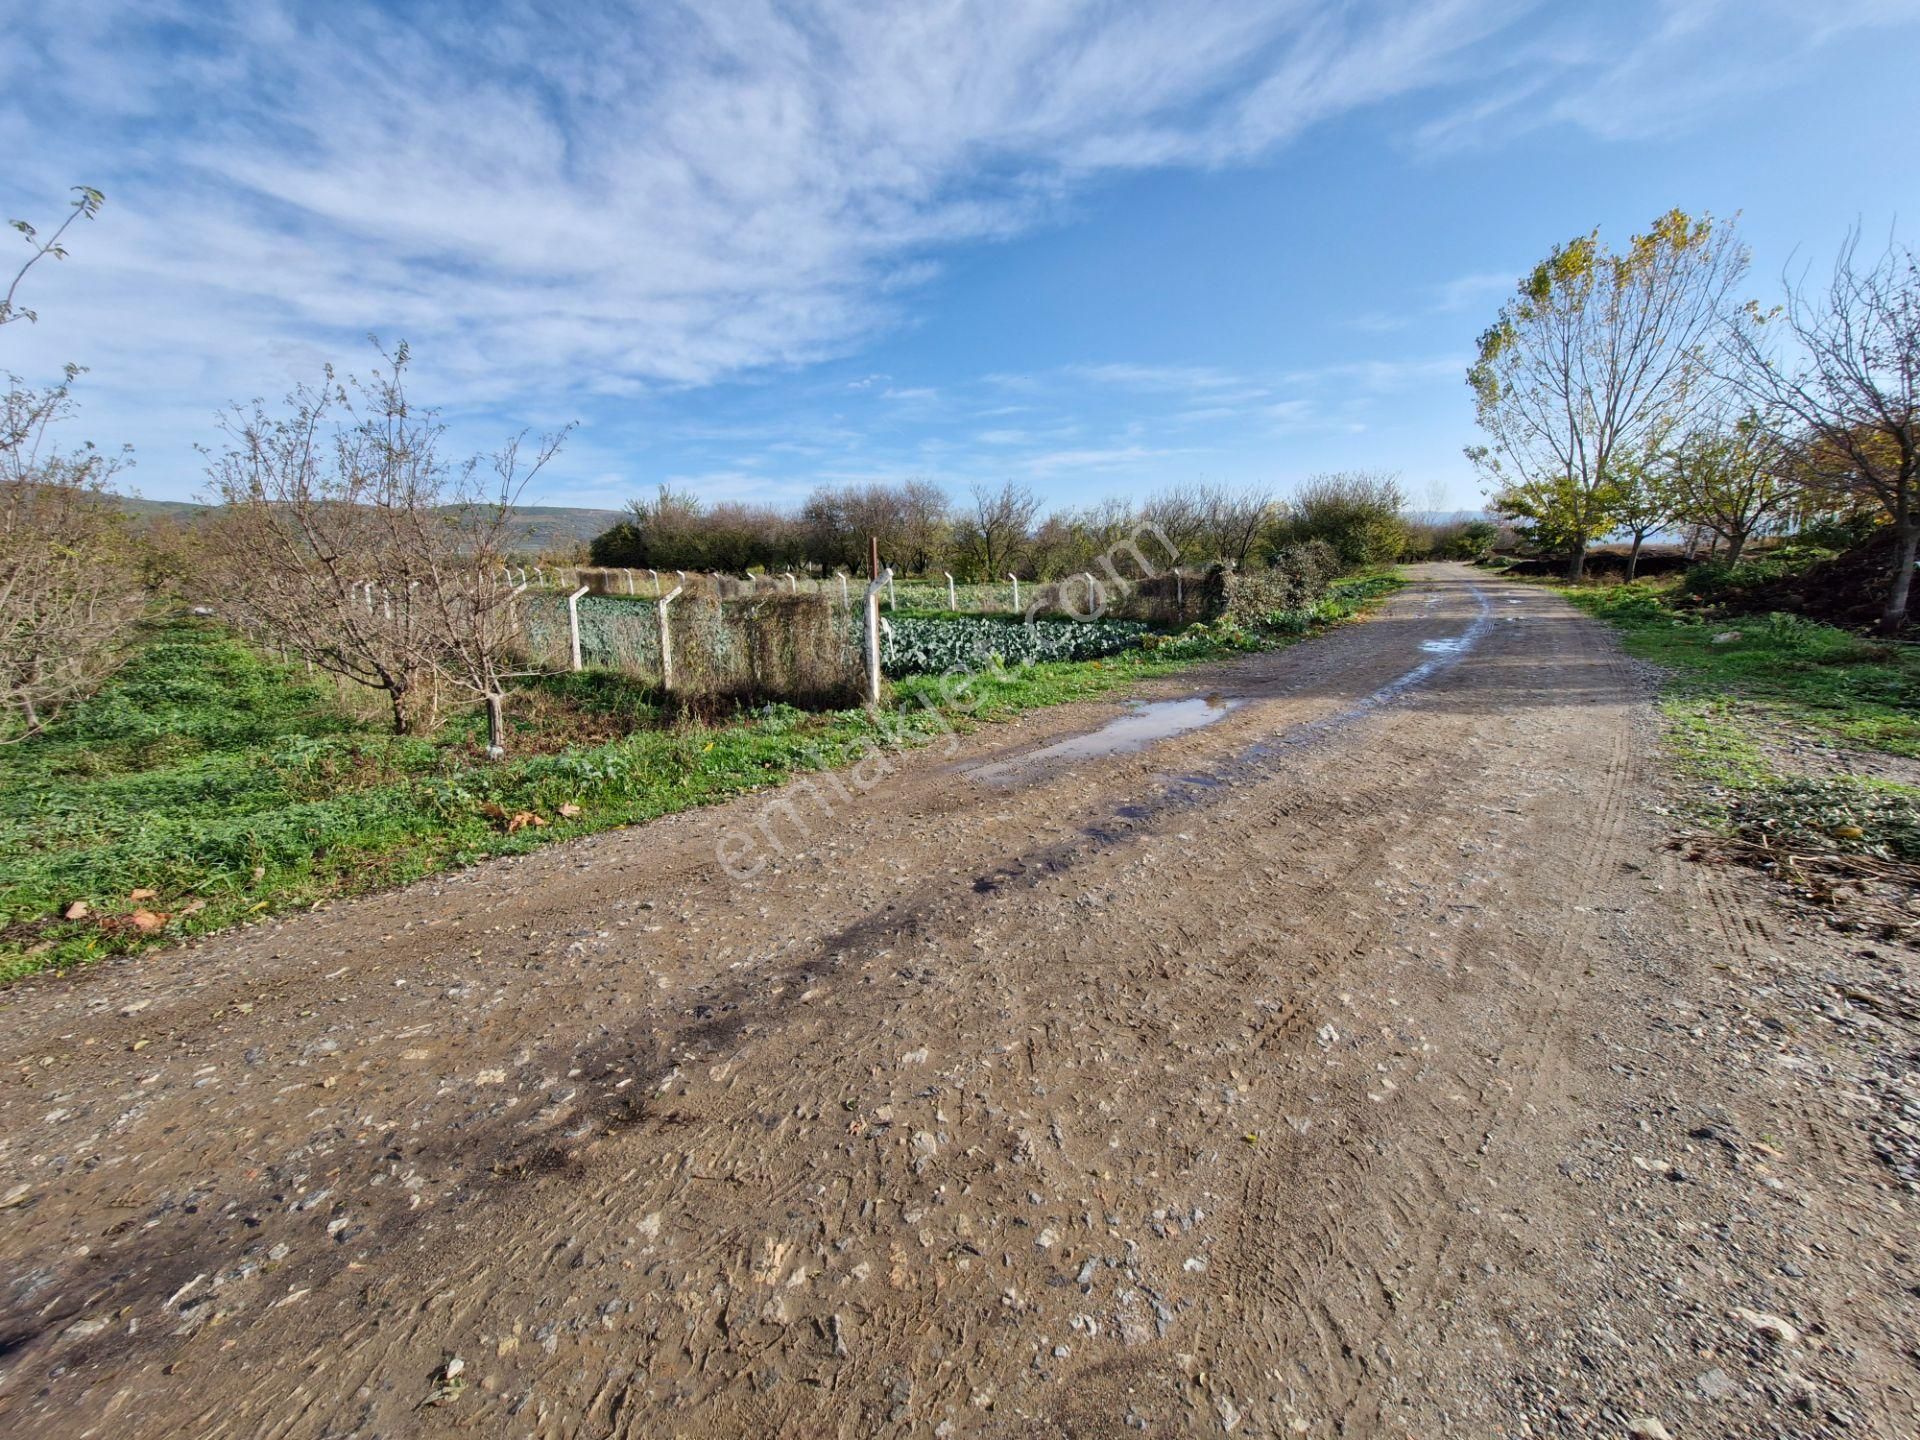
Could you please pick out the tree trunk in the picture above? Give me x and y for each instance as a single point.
(1633, 555)
(398, 699)
(1906, 548)
(1736, 542)
(1577, 562)
(496, 727)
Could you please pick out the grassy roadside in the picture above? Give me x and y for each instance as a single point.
(1770, 716)
(208, 785)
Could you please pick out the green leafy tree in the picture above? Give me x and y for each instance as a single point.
(1588, 361)
(1646, 505)
(1732, 479)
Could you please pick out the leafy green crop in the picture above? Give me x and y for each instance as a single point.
(918, 646)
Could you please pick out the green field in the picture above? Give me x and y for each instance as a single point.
(231, 786)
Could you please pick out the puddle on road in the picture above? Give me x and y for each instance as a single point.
(1144, 723)
(1172, 795)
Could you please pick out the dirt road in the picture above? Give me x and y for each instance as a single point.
(1356, 1063)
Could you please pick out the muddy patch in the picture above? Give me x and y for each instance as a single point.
(1143, 724)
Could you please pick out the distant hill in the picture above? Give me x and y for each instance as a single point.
(550, 527)
(540, 527)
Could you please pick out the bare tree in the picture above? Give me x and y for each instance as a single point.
(1234, 522)
(1853, 386)
(359, 548)
(995, 531)
(306, 539)
(1180, 515)
(69, 588)
(1594, 353)
(68, 583)
(459, 550)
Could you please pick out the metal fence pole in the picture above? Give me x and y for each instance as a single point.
(953, 602)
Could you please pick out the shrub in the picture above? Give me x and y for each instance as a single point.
(1357, 512)
(1715, 580)
(1297, 574)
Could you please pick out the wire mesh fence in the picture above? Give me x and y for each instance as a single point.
(792, 647)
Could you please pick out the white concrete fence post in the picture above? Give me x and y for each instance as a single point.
(573, 623)
(1016, 588)
(952, 602)
(893, 602)
(513, 610)
(841, 576)
(793, 585)
(873, 633)
(1093, 593)
(666, 639)
(629, 574)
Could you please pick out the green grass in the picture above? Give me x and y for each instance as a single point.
(1821, 680)
(1729, 702)
(234, 787)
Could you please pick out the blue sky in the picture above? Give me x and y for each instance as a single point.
(752, 248)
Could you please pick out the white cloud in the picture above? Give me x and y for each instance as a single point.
(618, 202)
(1115, 457)
(610, 200)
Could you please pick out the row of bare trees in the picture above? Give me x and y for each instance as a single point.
(1632, 392)
(349, 540)
(994, 531)
(68, 585)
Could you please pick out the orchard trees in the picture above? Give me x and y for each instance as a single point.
(355, 544)
(69, 587)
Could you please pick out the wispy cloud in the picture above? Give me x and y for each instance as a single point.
(1652, 67)
(1052, 462)
(604, 205)
(670, 194)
